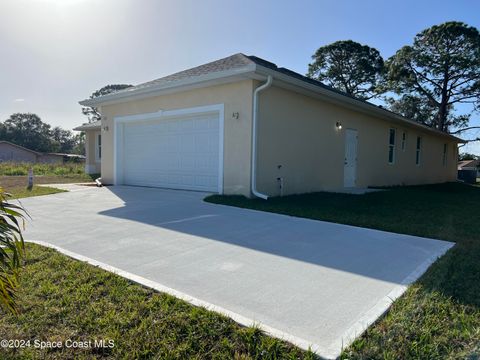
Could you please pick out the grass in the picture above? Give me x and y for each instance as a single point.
(19, 169)
(23, 192)
(61, 298)
(439, 315)
(14, 179)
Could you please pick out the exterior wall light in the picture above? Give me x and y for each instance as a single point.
(338, 125)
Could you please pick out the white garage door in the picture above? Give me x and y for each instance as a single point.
(176, 153)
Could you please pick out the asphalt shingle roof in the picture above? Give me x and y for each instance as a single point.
(229, 63)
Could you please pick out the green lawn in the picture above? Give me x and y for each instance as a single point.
(60, 298)
(439, 316)
(23, 192)
(14, 179)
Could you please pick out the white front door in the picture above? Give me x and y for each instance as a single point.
(350, 164)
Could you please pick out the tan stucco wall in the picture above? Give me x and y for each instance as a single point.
(236, 97)
(92, 166)
(9, 152)
(299, 133)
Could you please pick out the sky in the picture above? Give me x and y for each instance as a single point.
(57, 52)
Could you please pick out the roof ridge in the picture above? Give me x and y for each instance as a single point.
(227, 63)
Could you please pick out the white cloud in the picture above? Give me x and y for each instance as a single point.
(19, 100)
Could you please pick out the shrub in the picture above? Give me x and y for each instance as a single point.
(21, 169)
(11, 250)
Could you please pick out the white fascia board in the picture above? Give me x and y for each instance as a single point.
(219, 77)
(292, 83)
(87, 128)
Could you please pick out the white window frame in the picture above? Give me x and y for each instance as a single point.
(98, 147)
(418, 151)
(391, 146)
(404, 141)
(445, 155)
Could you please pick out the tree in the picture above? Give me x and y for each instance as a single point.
(63, 141)
(28, 130)
(79, 143)
(11, 250)
(467, 156)
(92, 112)
(349, 67)
(440, 70)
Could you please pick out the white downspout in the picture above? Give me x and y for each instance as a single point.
(254, 138)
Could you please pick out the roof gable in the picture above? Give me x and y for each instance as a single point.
(19, 147)
(233, 62)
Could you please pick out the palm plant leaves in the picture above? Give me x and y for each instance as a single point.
(12, 250)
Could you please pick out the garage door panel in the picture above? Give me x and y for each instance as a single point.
(181, 153)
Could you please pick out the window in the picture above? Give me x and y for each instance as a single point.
(445, 150)
(404, 141)
(99, 147)
(419, 150)
(391, 146)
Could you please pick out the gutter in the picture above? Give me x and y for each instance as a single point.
(352, 103)
(140, 91)
(266, 85)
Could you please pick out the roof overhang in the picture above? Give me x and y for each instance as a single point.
(291, 83)
(216, 78)
(258, 72)
(87, 127)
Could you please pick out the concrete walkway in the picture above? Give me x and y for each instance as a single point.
(309, 282)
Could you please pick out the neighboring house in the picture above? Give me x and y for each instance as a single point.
(468, 165)
(242, 125)
(469, 170)
(17, 153)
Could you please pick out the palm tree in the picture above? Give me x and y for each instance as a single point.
(12, 249)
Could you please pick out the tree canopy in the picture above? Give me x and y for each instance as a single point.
(425, 81)
(438, 71)
(28, 130)
(92, 112)
(349, 67)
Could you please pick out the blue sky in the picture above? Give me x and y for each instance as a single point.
(56, 52)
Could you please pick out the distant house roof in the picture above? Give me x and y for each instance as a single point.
(42, 154)
(96, 125)
(240, 66)
(76, 156)
(468, 164)
(20, 147)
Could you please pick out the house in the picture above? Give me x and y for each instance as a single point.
(469, 171)
(16, 153)
(468, 165)
(242, 125)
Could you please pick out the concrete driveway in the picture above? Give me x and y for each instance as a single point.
(309, 282)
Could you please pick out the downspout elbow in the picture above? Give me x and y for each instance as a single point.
(266, 85)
